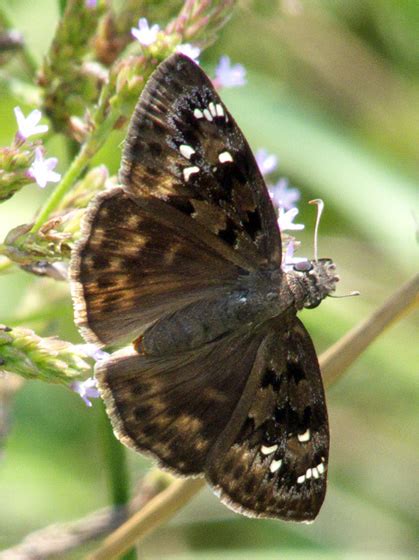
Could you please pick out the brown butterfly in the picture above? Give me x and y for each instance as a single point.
(222, 379)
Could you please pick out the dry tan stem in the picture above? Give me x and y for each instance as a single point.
(153, 514)
(58, 539)
(333, 363)
(341, 355)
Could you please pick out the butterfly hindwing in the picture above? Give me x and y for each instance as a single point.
(185, 148)
(175, 407)
(274, 463)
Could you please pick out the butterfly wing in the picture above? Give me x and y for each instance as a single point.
(175, 407)
(171, 235)
(134, 265)
(271, 460)
(185, 148)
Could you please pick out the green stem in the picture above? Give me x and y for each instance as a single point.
(78, 165)
(117, 471)
(74, 171)
(61, 6)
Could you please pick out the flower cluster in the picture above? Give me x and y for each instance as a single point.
(229, 75)
(284, 198)
(41, 170)
(87, 389)
(226, 73)
(23, 162)
(28, 126)
(147, 35)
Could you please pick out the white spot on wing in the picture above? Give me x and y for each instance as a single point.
(264, 449)
(224, 157)
(198, 114)
(220, 110)
(275, 465)
(304, 437)
(188, 171)
(212, 109)
(207, 115)
(186, 151)
(313, 472)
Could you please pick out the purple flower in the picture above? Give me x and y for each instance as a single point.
(28, 126)
(42, 169)
(86, 389)
(91, 4)
(286, 218)
(145, 34)
(189, 50)
(289, 259)
(283, 196)
(228, 75)
(266, 162)
(92, 351)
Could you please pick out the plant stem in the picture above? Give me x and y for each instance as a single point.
(115, 460)
(58, 539)
(153, 514)
(79, 163)
(75, 169)
(341, 355)
(61, 6)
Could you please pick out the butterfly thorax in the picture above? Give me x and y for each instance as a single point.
(312, 281)
(254, 300)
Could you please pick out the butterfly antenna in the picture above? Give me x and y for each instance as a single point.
(320, 205)
(354, 293)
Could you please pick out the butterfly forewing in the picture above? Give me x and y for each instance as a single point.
(132, 266)
(184, 147)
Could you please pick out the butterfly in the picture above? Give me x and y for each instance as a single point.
(183, 260)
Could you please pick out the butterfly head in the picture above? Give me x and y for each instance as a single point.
(318, 278)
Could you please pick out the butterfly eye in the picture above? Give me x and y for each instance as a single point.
(303, 266)
(312, 305)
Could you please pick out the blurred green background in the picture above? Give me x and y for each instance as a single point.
(333, 90)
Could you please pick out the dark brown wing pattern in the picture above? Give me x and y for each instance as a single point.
(175, 407)
(133, 266)
(271, 461)
(191, 220)
(185, 148)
